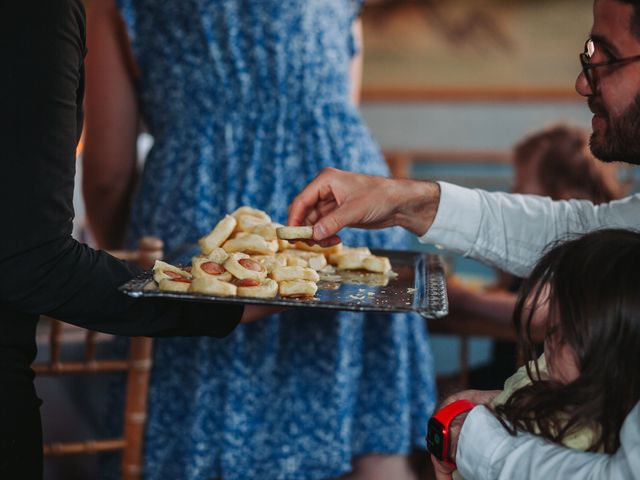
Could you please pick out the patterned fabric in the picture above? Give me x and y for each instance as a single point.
(247, 101)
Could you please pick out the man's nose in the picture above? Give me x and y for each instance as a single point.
(582, 85)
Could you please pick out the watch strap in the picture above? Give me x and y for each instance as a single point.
(446, 414)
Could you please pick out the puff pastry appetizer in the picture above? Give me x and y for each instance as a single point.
(295, 233)
(270, 262)
(252, 212)
(180, 284)
(376, 264)
(221, 232)
(202, 267)
(244, 267)
(292, 261)
(218, 255)
(267, 288)
(162, 270)
(317, 261)
(318, 249)
(268, 231)
(246, 223)
(251, 243)
(349, 261)
(360, 251)
(295, 273)
(297, 288)
(213, 286)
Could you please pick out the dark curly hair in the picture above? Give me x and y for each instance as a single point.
(565, 167)
(591, 287)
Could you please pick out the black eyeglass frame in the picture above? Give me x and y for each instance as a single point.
(587, 67)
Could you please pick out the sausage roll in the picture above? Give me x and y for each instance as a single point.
(243, 267)
(204, 267)
(266, 288)
(162, 270)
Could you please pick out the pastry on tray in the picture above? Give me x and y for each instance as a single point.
(180, 284)
(297, 288)
(248, 255)
(218, 235)
(213, 286)
(266, 288)
(295, 233)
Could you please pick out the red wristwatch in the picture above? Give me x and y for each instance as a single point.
(438, 434)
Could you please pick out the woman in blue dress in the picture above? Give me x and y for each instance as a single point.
(247, 101)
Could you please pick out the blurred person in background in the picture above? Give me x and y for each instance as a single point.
(556, 163)
(247, 102)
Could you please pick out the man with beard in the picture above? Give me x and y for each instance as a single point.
(510, 232)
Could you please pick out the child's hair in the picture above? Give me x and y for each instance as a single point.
(565, 166)
(591, 287)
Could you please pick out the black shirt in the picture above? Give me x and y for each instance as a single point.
(42, 269)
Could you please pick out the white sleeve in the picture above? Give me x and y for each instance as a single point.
(510, 231)
(487, 451)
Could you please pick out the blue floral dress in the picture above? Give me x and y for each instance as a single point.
(247, 101)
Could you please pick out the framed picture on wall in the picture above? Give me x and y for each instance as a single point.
(468, 48)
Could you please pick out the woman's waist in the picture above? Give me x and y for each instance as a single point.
(329, 136)
(270, 112)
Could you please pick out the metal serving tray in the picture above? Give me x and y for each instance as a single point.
(418, 287)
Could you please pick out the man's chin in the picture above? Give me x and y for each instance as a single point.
(608, 153)
(616, 138)
(599, 148)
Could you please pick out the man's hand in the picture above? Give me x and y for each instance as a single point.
(336, 199)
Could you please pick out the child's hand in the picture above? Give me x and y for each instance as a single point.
(479, 397)
(443, 472)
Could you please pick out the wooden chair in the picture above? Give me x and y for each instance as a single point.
(137, 366)
(465, 325)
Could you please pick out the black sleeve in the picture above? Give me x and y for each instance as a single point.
(42, 269)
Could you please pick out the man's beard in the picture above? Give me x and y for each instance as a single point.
(621, 140)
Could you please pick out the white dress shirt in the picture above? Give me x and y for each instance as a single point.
(511, 232)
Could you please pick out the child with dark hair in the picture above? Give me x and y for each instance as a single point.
(584, 295)
(578, 393)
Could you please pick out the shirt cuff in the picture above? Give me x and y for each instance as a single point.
(480, 438)
(457, 220)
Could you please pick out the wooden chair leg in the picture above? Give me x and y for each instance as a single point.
(136, 406)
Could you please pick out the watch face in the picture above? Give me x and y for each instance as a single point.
(435, 439)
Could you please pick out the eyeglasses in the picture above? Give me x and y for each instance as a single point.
(588, 67)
